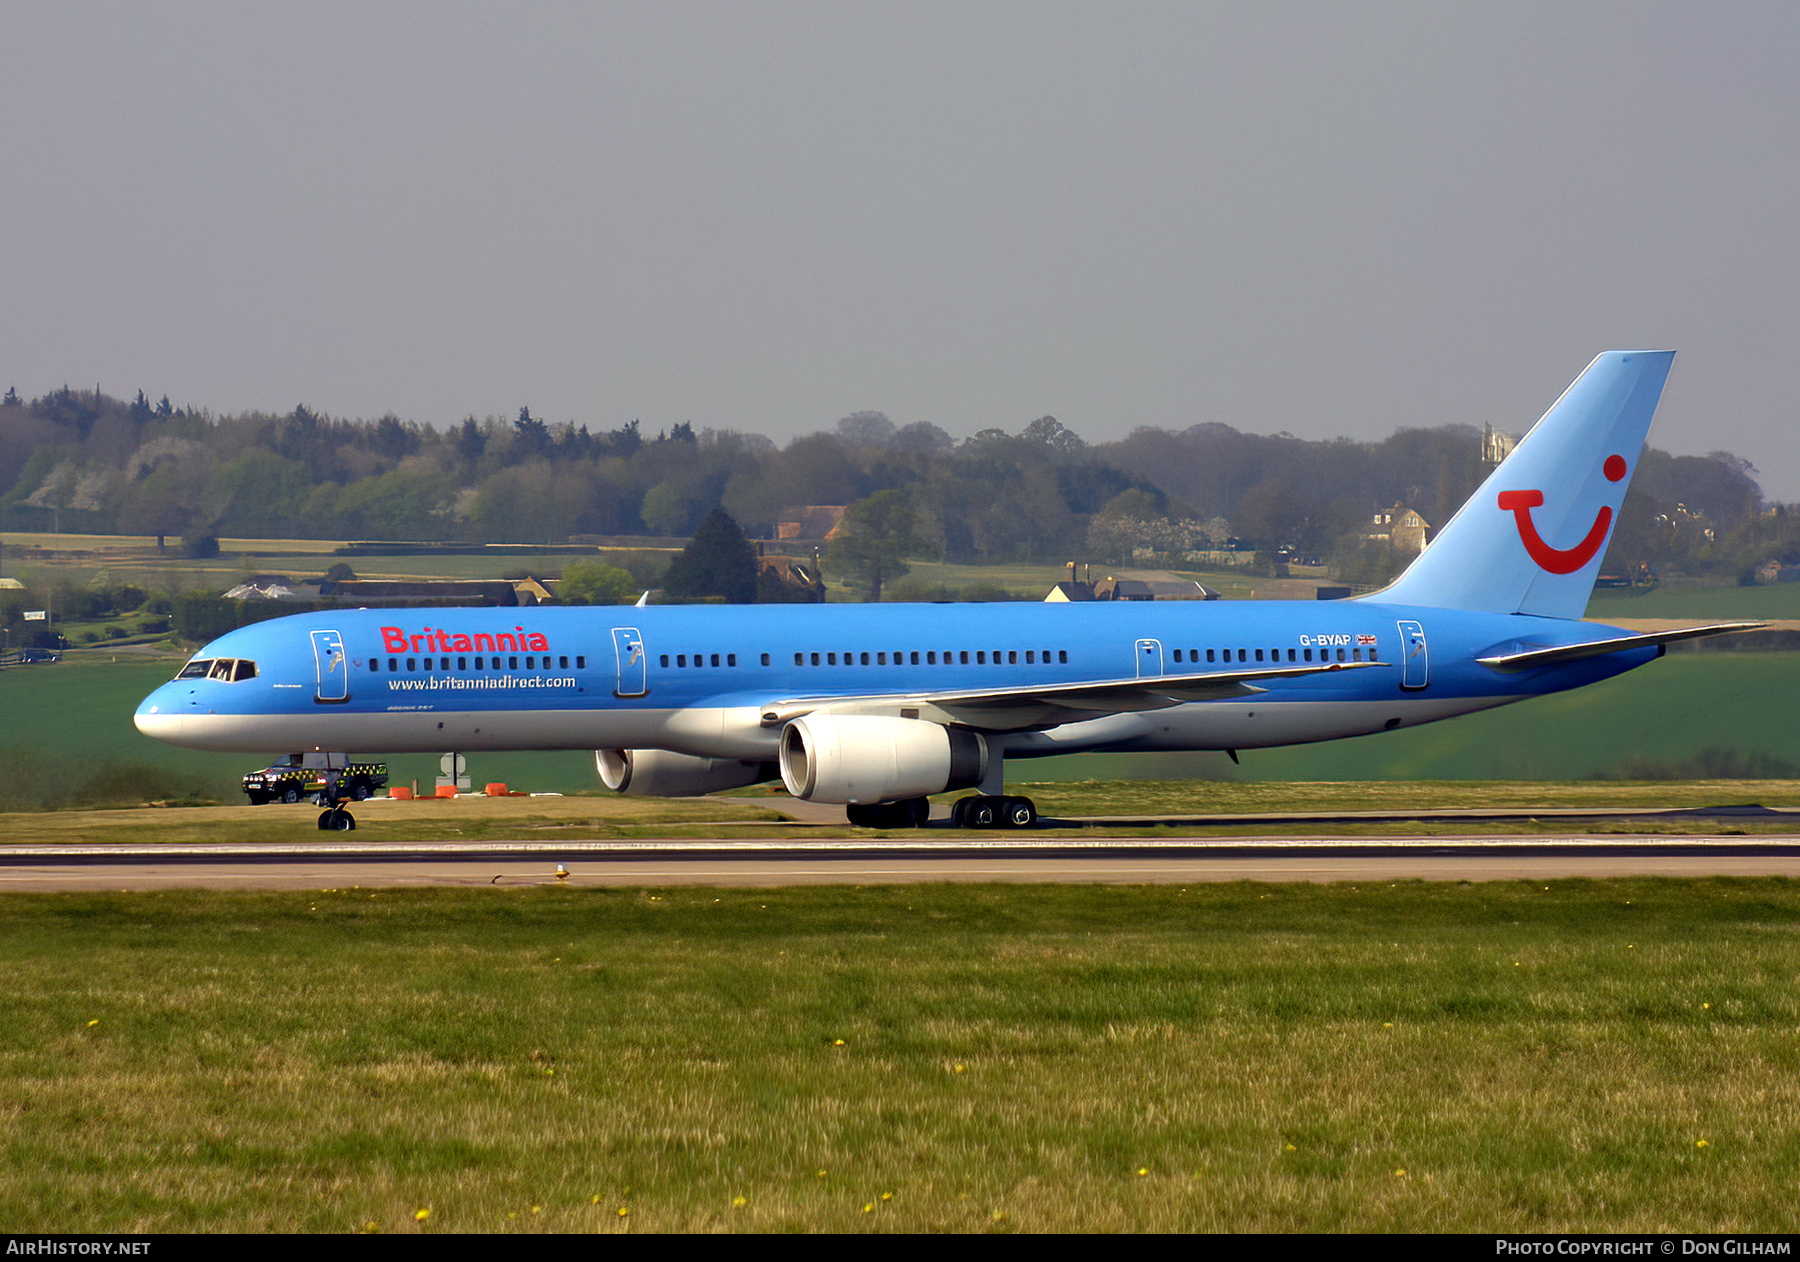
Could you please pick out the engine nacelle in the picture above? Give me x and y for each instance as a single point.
(864, 759)
(657, 773)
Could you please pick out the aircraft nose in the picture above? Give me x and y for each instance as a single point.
(157, 719)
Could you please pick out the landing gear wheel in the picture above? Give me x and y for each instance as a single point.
(1019, 812)
(982, 812)
(915, 811)
(336, 820)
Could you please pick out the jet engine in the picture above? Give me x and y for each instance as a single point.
(657, 773)
(864, 759)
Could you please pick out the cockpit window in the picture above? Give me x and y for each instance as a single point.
(228, 669)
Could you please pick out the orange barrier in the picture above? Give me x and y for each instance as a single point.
(400, 793)
(446, 790)
(495, 790)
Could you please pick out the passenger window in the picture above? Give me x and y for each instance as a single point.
(731, 659)
(980, 658)
(865, 659)
(915, 657)
(1062, 655)
(581, 661)
(462, 663)
(931, 657)
(681, 659)
(664, 661)
(715, 659)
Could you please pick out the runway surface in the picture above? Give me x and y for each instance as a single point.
(328, 864)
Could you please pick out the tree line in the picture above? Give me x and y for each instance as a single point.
(80, 460)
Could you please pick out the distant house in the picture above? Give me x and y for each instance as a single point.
(1496, 445)
(810, 521)
(788, 579)
(1402, 527)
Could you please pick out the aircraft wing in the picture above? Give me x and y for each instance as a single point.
(1047, 705)
(1524, 657)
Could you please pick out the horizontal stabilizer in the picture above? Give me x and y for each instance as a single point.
(1533, 658)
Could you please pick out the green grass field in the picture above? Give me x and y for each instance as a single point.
(1776, 601)
(1511, 1057)
(70, 722)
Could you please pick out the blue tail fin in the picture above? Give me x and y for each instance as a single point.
(1530, 540)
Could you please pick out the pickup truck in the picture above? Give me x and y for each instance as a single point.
(308, 775)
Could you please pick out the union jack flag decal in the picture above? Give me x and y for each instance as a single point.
(1365, 639)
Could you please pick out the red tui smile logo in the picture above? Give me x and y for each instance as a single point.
(1560, 560)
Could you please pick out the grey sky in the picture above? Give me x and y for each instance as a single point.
(1327, 219)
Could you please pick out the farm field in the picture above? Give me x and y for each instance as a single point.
(1777, 601)
(1599, 1056)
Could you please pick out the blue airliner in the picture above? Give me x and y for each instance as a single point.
(877, 706)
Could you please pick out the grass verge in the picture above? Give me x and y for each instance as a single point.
(1571, 1056)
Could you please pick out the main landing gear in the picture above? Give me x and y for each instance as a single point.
(980, 811)
(911, 813)
(336, 819)
(992, 811)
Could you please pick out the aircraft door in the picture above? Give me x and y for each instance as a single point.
(333, 671)
(634, 664)
(1149, 658)
(1415, 660)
